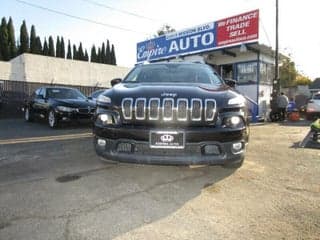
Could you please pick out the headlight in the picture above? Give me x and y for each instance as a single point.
(233, 122)
(106, 119)
(65, 109)
(239, 100)
(103, 99)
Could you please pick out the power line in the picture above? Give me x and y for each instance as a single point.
(79, 18)
(122, 11)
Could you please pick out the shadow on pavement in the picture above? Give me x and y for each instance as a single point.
(301, 123)
(307, 142)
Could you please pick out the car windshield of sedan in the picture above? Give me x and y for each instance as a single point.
(64, 93)
(173, 73)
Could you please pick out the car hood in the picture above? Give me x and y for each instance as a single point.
(74, 103)
(221, 93)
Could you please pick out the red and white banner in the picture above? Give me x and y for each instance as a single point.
(237, 29)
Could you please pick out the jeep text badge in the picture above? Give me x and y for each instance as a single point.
(169, 94)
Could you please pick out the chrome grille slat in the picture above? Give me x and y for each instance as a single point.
(154, 108)
(126, 106)
(196, 109)
(169, 109)
(210, 109)
(182, 109)
(167, 106)
(140, 108)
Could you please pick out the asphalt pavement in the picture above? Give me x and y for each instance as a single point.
(54, 186)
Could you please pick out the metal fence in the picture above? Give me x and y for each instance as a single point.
(13, 94)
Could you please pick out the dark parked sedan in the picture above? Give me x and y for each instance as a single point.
(58, 104)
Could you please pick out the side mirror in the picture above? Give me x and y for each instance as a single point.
(40, 96)
(230, 82)
(115, 81)
(90, 98)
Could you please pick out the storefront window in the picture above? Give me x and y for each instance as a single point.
(247, 73)
(265, 73)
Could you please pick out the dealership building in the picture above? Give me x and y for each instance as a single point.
(230, 46)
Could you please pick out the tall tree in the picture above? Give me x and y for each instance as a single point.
(288, 73)
(1, 56)
(58, 47)
(166, 28)
(38, 46)
(12, 39)
(33, 37)
(62, 49)
(80, 52)
(86, 56)
(51, 47)
(108, 54)
(302, 80)
(113, 56)
(4, 40)
(24, 38)
(69, 54)
(75, 53)
(93, 54)
(45, 50)
(99, 56)
(103, 53)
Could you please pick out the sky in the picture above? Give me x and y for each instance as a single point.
(126, 22)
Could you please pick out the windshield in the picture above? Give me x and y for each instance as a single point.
(65, 93)
(173, 73)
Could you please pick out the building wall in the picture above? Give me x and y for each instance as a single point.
(5, 69)
(266, 59)
(218, 59)
(36, 68)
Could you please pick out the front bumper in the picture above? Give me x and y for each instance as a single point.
(71, 116)
(202, 146)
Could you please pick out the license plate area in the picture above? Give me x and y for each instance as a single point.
(167, 139)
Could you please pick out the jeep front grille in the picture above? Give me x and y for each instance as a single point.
(169, 109)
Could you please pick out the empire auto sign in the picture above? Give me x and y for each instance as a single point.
(237, 29)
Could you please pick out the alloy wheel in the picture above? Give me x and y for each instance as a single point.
(52, 119)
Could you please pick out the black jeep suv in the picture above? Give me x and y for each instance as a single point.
(171, 113)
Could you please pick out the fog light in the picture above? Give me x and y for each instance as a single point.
(236, 147)
(211, 149)
(101, 142)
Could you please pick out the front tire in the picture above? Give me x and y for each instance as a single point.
(52, 119)
(28, 116)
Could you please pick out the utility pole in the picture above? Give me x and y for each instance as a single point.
(274, 114)
(276, 80)
(276, 75)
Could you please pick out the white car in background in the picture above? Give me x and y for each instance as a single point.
(313, 107)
